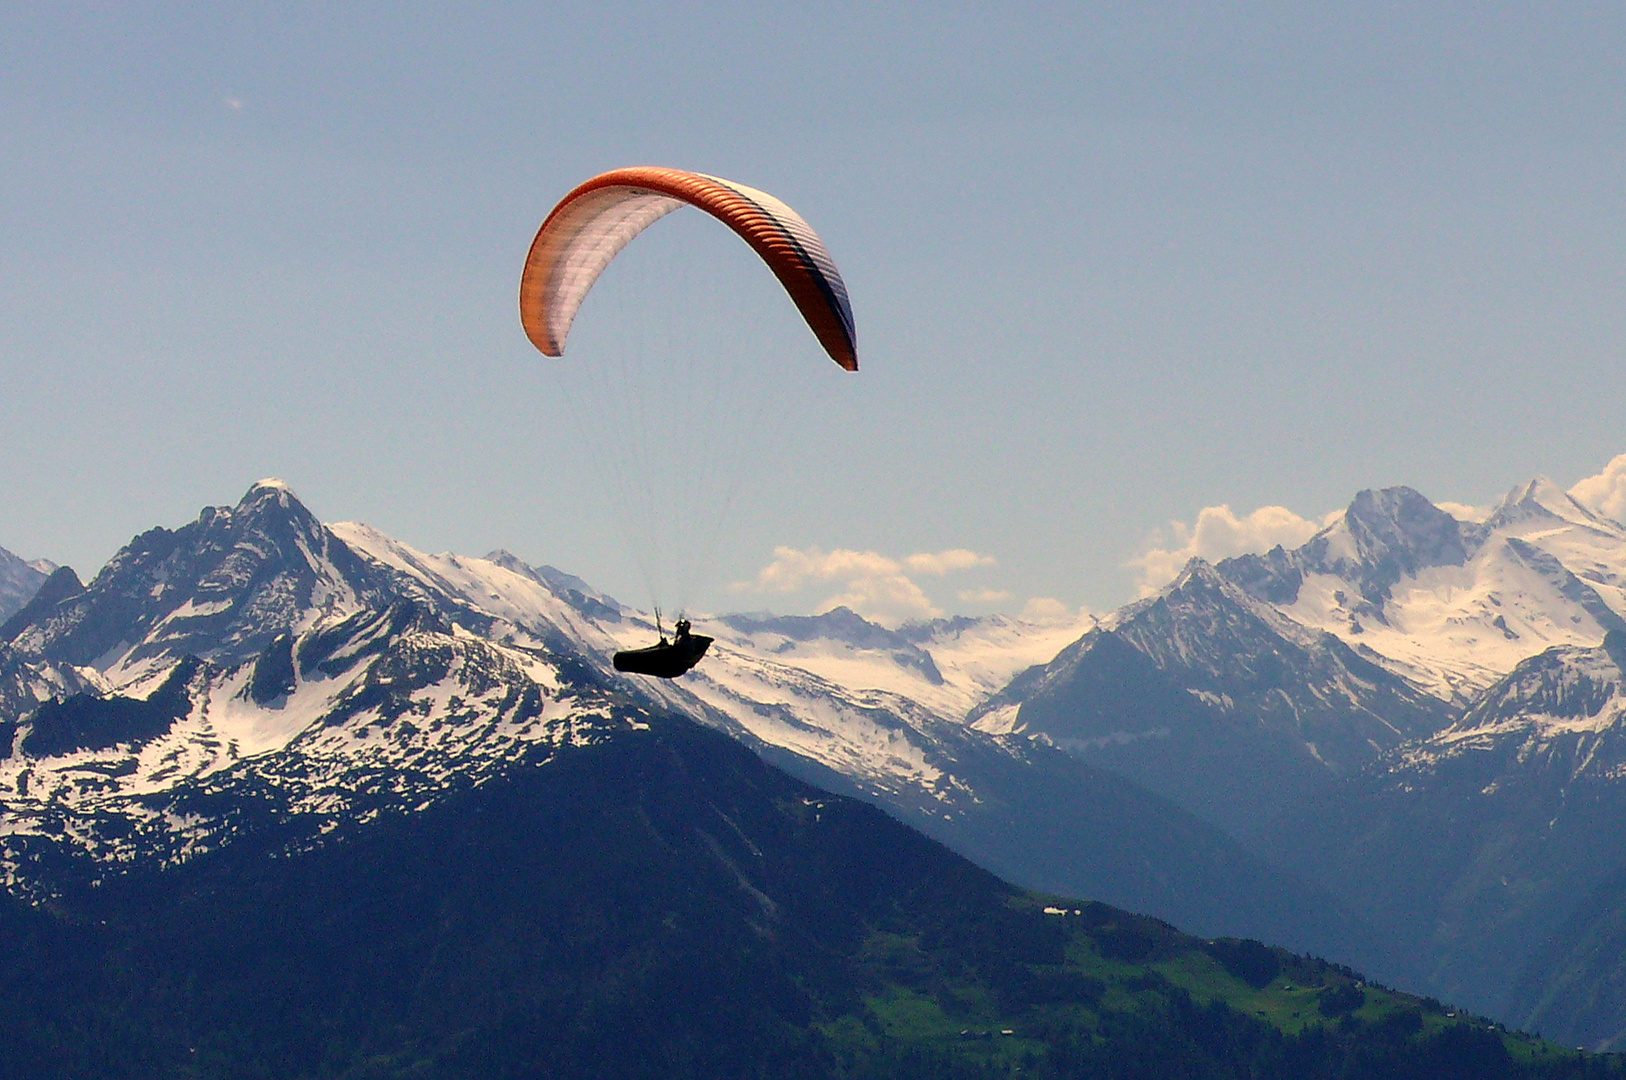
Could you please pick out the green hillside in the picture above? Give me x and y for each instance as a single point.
(667, 905)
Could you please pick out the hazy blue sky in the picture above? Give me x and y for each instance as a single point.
(1109, 267)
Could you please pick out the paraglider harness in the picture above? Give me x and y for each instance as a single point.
(669, 659)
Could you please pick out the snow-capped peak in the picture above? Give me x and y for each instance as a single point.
(19, 581)
(264, 495)
(1541, 500)
(1196, 571)
(1451, 606)
(221, 588)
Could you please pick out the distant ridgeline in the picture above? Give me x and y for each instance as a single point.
(665, 904)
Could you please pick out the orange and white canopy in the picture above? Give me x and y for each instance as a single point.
(593, 223)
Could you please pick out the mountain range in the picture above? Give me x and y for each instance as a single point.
(328, 672)
(1414, 712)
(1393, 745)
(663, 903)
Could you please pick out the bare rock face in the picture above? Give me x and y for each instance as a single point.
(1381, 538)
(1213, 698)
(19, 581)
(221, 588)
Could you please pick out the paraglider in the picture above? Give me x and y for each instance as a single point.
(669, 659)
(593, 223)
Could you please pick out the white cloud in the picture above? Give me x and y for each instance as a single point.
(793, 569)
(1043, 609)
(876, 586)
(1464, 512)
(1606, 492)
(1219, 534)
(890, 600)
(945, 562)
(984, 596)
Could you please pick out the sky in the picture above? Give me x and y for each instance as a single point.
(1131, 282)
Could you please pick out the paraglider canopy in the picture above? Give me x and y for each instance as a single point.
(576, 243)
(594, 222)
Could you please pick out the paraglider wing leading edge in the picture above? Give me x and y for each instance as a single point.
(594, 222)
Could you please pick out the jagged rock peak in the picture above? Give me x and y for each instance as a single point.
(1541, 498)
(19, 581)
(268, 506)
(1402, 524)
(1198, 578)
(269, 483)
(1197, 570)
(63, 584)
(1201, 591)
(268, 510)
(1383, 536)
(220, 587)
(1205, 592)
(265, 494)
(1565, 685)
(508, 561)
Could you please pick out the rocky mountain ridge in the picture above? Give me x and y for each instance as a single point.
(1416, 712)
(1373, 715)
(259, 668)
(1212, 697)
(1451, 605)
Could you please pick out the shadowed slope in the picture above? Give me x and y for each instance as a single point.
(665, 904)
